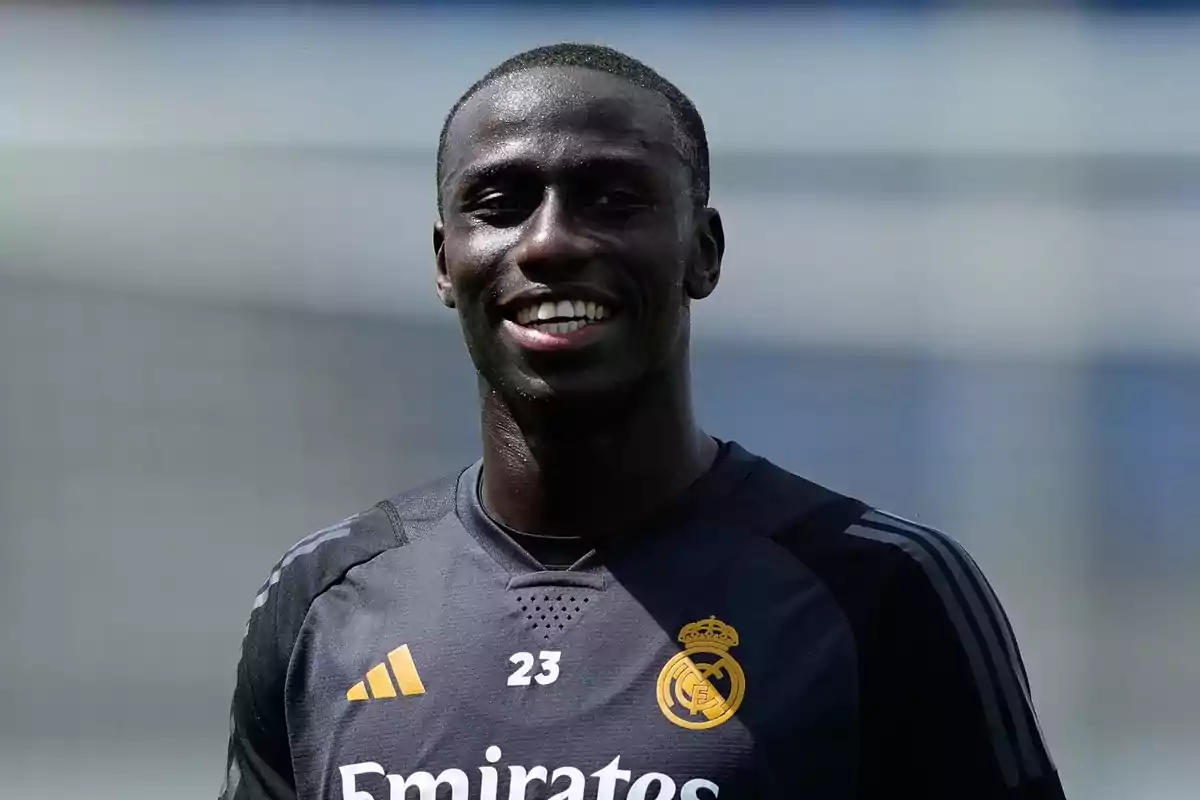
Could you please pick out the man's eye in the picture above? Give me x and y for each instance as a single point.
(498, 208)
(618, 202)
(493, 201)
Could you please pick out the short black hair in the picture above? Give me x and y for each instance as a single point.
(614, 62)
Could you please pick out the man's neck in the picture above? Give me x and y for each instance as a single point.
(590, 475)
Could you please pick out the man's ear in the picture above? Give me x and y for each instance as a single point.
(445, 291)
(704, 271)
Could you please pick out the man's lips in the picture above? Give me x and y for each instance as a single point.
(557, 336)
(567, 318)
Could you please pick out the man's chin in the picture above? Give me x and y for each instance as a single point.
(589, 390)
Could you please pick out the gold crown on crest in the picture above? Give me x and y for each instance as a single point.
(709, 631)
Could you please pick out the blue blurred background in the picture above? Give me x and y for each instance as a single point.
(961, 283)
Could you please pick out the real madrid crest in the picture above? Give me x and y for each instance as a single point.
(703, 686)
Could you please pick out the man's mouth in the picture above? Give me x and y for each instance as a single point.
(562, 316)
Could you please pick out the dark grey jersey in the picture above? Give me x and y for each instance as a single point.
(765, 638)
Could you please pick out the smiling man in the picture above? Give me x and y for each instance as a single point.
(611, 603)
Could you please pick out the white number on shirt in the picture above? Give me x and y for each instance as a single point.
(524, 662)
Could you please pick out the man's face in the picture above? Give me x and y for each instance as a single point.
(569, 242)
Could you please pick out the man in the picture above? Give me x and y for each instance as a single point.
(612, 603)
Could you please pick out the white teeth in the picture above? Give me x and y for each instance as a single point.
(564, 312)
(563, 327)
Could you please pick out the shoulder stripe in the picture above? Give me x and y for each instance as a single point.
(233, 779)
(303, 548)
(971, 572)
(998, 617)
(310, 537)
(975, 614)
(980, 581)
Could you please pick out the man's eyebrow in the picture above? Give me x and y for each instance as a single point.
(490, 168)
(617, 159)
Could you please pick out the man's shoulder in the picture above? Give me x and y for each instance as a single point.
(878, 565)
(323, 558)
(321, 561)
(852, 543)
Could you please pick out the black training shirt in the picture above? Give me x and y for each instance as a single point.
(765, 638)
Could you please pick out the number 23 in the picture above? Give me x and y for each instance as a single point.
(524, 662)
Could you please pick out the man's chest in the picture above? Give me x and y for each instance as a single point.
(574, 689)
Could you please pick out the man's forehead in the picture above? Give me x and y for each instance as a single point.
(594, 104)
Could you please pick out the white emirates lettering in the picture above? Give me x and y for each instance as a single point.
(570, 783)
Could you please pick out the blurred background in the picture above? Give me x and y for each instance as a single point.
(961, 283)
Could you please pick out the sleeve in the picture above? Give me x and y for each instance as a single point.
(956, 718)
(259, 765)
(259, 761)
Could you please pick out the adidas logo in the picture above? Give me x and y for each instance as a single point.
(379, 680)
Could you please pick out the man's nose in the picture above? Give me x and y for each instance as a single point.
(552, 239)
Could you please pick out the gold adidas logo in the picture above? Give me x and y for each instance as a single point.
(380, 681)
